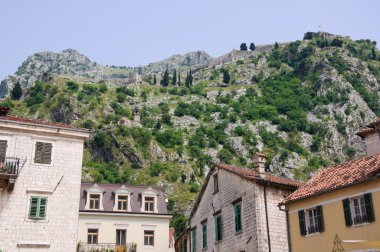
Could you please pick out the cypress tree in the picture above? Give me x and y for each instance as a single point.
(252, 47)
(179, 78)
(374, 56)
(226, 76)
(154, 79)
(243, 47)
(276, 46)
(191, 78)
(16, 92)
(174, 80)
(165, 78)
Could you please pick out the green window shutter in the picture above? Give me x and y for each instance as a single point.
(369, 207)
(194, 243)
(302, 222)
(237, 210)
(33, 209)
(3, 150)
(321, 226)
(38, 152)
(218, 228)
(42, 209)
(347, 212)
(204, 232)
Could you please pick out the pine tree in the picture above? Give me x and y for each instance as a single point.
(179, 78)
(226, 76)
(154, 79)
(174, 80)
(165, 78)
(16, 92)
(276, 46)
(252, 47)
(243, 47)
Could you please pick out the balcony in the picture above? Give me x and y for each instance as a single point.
(9, 169)
(106, 247)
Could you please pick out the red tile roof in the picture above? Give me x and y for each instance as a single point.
(36, 122)
(338, 176)
(253, 175)
(369, 128)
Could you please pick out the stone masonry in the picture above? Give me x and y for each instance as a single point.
(58, 181)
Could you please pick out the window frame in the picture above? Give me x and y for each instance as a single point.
(216, 183)
(119, 236)
(194, 240)
(218, 227)
(91, 200)
(37, 217)
(314, 218)
(93, 234)
(148, 236)
(204, 234)
(151, 203)
(126, 201)
(361, 207)
(238, 220)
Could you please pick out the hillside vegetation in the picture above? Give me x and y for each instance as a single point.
(300, 103)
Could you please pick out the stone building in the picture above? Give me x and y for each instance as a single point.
(237, 210)
(40, 174)
(116, 217)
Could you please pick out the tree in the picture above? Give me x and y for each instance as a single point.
(276, 46)
(179, 78)
(16, 92)
(226, 76)
(189, 79)
(154, 79)
(174, 80)
(165, 78)
(243, 47)
(252, 47)
(374, 56)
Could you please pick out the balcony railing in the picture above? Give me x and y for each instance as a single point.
(106, 247)
(9, 169)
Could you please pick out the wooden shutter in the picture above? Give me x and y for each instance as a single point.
(218, 228)
(369, 207)
(302, 222)
(33, 209)
(321, 226)
(43, 153)
(204, 234)
(42, 208)
(347, 212)
(3, 150)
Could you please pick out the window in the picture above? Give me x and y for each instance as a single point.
(358, 210)
(204, 234)
(94, 201)
(194, 240)
(3, 150)
(121, 235)
(43, 153)
(311, 220)
(238, 222)
(185, 245)
(122, 203)
(149, 238)
(149, 204)
(37, 208)
(216, 183)
(218, 227)
(92, 236)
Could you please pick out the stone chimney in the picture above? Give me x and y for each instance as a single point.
(371, 136)
(259, 162)
(136, 113)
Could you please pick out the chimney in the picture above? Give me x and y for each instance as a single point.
(259, 162)
(371, 136)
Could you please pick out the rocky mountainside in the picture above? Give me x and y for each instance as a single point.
(300, 103)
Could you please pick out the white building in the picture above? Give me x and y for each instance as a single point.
(40, 175)
(119, 217)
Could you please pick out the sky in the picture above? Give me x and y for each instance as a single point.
(137, 32)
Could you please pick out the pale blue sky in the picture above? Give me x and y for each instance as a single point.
(132, 33)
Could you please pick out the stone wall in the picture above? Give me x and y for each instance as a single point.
(254, 233)
(59, 182)
(372, 142)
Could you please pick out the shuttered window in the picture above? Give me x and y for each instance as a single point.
(43, 153)
(204, 235)
(302, 222)
(369, 207)
(238, 221)
(37, 209)
(347, 212)
(321, 225)
(194, 240)
(3, 150)
(218, 227)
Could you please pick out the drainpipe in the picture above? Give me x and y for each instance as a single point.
(287, 226)
(266, 216)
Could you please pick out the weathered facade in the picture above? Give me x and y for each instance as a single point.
(40, 174)
(123, 218)
(237, 210)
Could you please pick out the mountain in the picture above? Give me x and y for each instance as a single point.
(300, 103)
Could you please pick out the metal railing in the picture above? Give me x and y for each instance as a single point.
(106, 247)
(10, 166)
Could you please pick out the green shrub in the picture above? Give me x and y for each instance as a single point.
(194, 188)
(71, 85)
(170, 138)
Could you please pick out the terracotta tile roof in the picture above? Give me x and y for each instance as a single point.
(253, 175)
(338, 176)
(364, 131)
(37, 122)
(109, 197)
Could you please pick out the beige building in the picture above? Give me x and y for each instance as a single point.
(123, 218)
(40, 174)
(237, 210)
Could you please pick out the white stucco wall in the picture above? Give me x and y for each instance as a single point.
(133, 223)
(59, 182)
